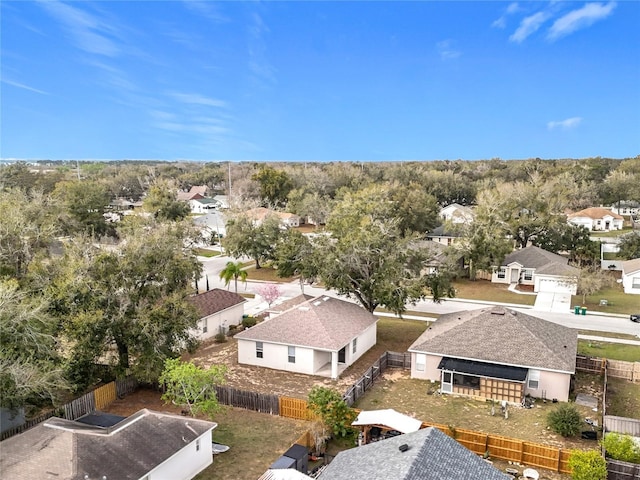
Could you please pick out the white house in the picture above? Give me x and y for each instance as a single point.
(218, 309)
(546, 271)
(209, 223)
(444, 235)
(321, 336)
(147, 445)
(597, 218)
(456, 213)
(497, 353)
(631, 276)
(626, 208)
(203, 205)
(259, 214)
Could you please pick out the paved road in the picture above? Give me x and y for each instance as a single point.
(595, 322)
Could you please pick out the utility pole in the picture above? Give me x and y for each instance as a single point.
(229, 191)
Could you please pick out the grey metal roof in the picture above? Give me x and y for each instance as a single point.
(501, 335)
(66, 450)
(323, 322)
(431, 455)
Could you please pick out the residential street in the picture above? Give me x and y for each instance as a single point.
(596, 322)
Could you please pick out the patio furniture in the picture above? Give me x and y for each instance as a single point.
(530, 474)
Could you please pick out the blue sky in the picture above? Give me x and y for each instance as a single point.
(319, 81)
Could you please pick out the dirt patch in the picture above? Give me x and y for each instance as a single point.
(416, 398)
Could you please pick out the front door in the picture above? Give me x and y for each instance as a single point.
(447, 382)
(515, 275)
(341, 355)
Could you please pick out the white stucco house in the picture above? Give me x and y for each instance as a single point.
(546, 271)
(631, 276)
(259, 214)
(456, 213)
(626, 208)
(497, 353)
(597, 218)
(321, 336)
(219, 309)
(212, 222)
(147, 445)
(203, 205)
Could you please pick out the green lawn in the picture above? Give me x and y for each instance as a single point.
(205, 252)
(612, 233)
(266, 274)
(618, 301)
(494, 292)
(623, 398)
(613, 351)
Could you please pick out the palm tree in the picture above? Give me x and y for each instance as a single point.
(233, 270)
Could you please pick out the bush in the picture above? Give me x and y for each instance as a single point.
(329, 405)
(621, 447)
(565, 420)
(220, 337)
(587, 465)
(249, 322)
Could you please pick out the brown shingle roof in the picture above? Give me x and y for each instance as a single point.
(596, 213)
(322, 322)
(500, 335)
(215, 301)
(631, 266)
(64, 449)
(543, 261)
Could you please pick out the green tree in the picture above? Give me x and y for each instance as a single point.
(417, 210)
(246, 238)
(630, 246)
(130, 301)
(161, 201)
(30, 366)
(83, 205)
(574, 239)
(367, 258)
(295, 255)
(275, 185)
(565, 420)
(621, 447)
(591, 280)
(17, 175)
(233, 270)
(192, 387)
(329, 405)
(27, 228)
(587, 465)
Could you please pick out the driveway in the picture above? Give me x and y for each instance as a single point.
(553, 302)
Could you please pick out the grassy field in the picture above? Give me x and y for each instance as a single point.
(206, 252)
(266, 274)
(623, 398)
(613, 351)
(618, 301)
(495, 292)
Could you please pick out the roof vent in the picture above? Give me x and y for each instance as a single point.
(317, 303)
(404, 447)
(325, 298)
(304, 309)
(497, 311)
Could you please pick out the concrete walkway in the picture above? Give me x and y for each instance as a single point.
(595, 338)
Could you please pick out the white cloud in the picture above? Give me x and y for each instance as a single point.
(446, 50)
(206, 9)
(24, 87)
(197, 99)
(580, 18)
(87, 31)
(529, 25)
(564, 124)
(502, 21)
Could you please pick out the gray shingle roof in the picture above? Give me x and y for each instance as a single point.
(215, 301)
(432, 455)
(323, 322)
(631, 266)
(543, 261)
(500, 335)
(65, 450)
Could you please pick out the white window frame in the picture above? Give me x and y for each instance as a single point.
(197, 444)
(501, 272)
(527, 274)
(421, 362)
(533, 380)
(291, 354)
(259, 350)
(635, 282)
(355, 345)
(205, 325)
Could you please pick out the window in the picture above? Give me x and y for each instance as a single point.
(635, 282)
(502, 272)
(466, 381)
(292, 354)
(197, 445)
(528, 274)
(205, 326)
(534, 379)
(355, 345)
(259, 350)
(421, 362)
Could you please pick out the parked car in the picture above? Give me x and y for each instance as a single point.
(635, 317)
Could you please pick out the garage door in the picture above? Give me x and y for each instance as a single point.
(554, 286)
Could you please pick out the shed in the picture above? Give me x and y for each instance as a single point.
(297, 457)
(378, 424)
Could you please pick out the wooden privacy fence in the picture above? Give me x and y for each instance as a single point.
(295, 408)
(615, 368)
(590, 364)
(618, 470)
(624, 425)
(97, 399)
(259, 402)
